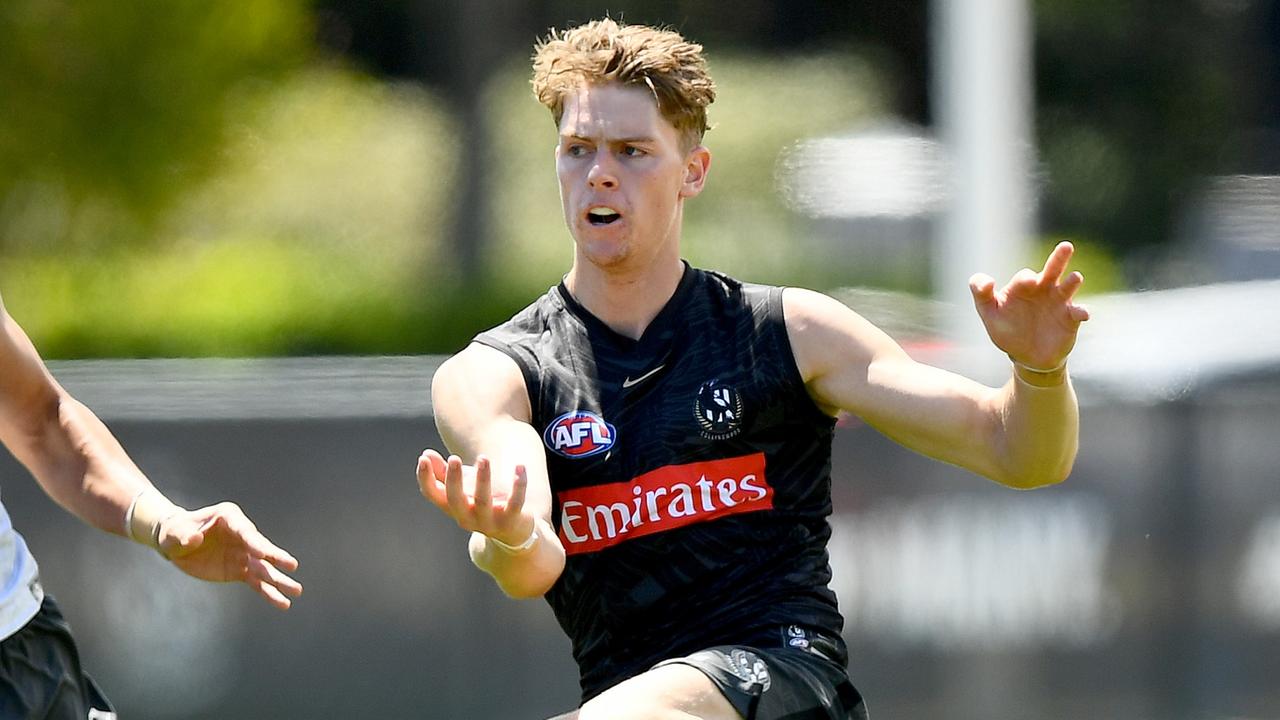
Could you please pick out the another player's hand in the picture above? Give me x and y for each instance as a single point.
(219, 543)
(1033, 318)
(467, 494)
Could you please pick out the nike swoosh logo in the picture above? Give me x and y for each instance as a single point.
(629, 382)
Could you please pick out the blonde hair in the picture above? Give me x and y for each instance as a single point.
(603, 51)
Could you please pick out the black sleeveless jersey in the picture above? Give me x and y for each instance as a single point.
(690, 471)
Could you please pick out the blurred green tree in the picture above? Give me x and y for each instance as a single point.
(112, 109)
(1136, 103)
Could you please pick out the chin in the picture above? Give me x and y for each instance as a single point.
(604, 253)
(614, 257)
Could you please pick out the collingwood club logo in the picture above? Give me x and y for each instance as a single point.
(718, 409)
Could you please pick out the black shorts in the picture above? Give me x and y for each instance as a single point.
(40, 674)
(801, 677)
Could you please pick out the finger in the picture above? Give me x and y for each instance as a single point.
(983, 288)
(430, 471)
(271, 593)
(180, 534)
(1056, 264)
(266, 571)
(1026, 277)
(186, 529)
(428, 485)
(205, 516)
(453, 486)
(519, 488)
(1079, 313)
(438, 464)
(213, 519)
(1071, 284)
(483, 492)
(247, 534)
(188, 542)
(260, 547)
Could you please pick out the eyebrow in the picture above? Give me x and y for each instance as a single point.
(634, 140)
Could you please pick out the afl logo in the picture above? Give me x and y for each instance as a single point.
(579, 434)
(718, 410)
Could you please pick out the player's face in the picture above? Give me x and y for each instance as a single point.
(623, 176)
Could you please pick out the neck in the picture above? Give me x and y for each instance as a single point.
(625, 300)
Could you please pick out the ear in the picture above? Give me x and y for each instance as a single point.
(697, 165)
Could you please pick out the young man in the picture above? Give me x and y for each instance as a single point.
(83, 468)
(648, 445)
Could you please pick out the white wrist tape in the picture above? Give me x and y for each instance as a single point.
(128, 514)
(147, 511)
(1039, 371)
(520, 549)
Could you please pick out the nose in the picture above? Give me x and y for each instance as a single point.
(602, 175)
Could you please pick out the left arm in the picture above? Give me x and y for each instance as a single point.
(81, 465)
(1024, 434)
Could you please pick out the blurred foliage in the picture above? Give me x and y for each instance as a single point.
(1135, 103)
(182, 178)
(319, 229)
(236, 297)
(111, 110)
(330, 160)
(314, 235)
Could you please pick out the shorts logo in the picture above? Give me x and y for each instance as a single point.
(600, 516)
(718, 409)
(579, 434)
(797, 637)
(749, 668)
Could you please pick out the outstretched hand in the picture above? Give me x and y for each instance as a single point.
(467, 494)
(219, 543)
(1033, 318)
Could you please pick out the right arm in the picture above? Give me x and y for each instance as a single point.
(482, 410)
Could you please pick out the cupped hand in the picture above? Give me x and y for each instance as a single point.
(219, 543)
(1033, 318)
(468, 494)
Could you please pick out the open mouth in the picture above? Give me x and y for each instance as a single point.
(602, 216)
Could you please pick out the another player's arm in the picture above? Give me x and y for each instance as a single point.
(72, 455)
(81, 465)
(482, 410)
(1024, 434)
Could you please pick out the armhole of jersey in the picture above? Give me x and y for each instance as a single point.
(778, 323)
(532, 386)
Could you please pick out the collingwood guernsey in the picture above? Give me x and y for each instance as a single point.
(690, 471)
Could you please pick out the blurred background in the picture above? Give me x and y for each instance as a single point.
(245, 232)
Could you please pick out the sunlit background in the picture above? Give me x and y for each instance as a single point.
(246, 231)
